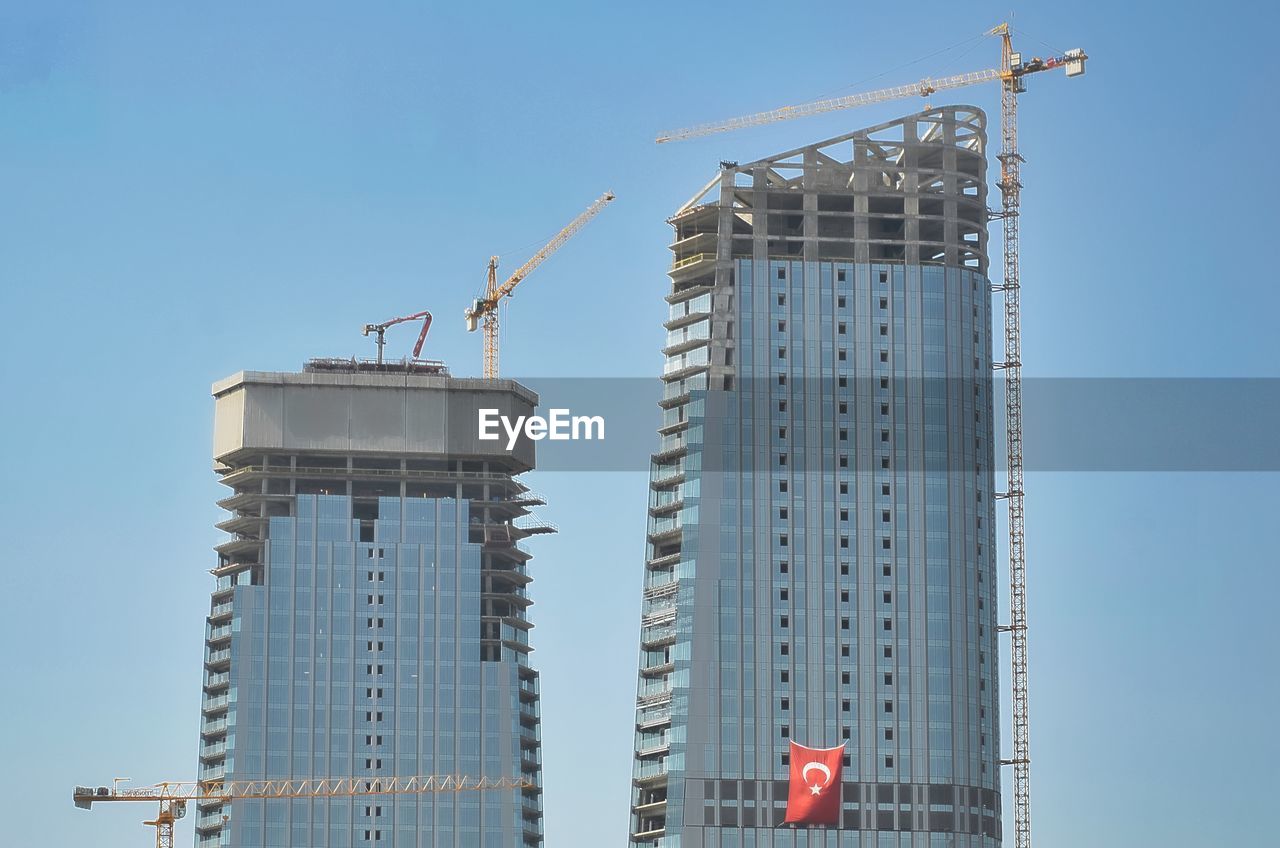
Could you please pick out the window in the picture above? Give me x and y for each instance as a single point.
(844, 569)
(844, 624)
(784, 676)
(884, 329)
(782, 459)
(784, 649)
(888, 706)
(844, 381)
(884, 276)
(844, 706)
(786, 731)
(840, 300)
(844, 733)
(888, 678)
(844, 435)
(844, 515)
(884, 515)
(884, 435)
(782, 299)
(784, 621)
(887, 597)
(782, 485)
(888, 651)
(844, 541)
(884, 409)
(840, 355)
(782, 273)
(885, 569)
(840, 279)
(844, 650)
(782, 406)
(884, 301)
(844, 461)
(844, 488)
(844, 595)
(884, 462)
(844, 677)
(782, 567)
(782, 594)
(884, 384)
(786, 703)
(782, 326)
(884, 356)
(888, 762)
(782, 432)
(888, 624)
(840, 328)
(782, 541)
(782, 379)
(782, 353)
(884, 488)
(888, 734)
(844, 408)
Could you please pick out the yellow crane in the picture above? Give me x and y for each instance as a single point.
(486, 308)
(1011, 74)
(173, 796)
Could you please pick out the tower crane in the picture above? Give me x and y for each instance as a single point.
(1011, 74)
(173, 796)
(381, 331)
(486, 308)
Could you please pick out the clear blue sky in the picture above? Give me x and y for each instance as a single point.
(187, 192)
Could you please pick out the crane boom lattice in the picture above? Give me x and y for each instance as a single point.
(173, 796)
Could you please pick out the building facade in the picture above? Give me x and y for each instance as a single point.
(370, 613)
(820, 549)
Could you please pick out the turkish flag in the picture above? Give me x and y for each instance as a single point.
(814, 792)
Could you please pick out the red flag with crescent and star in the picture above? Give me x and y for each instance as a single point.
(814, 796)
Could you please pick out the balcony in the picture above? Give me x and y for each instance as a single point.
(650, 748)
(664, 561)
(214, 728)
(211, 752)
(653, 716)
(667, 589)
(654, 698)
(692, 265)
(215, 705)
(657, 637)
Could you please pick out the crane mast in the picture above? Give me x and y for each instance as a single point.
(1010, 288)
(486, 308)
(1011, 74)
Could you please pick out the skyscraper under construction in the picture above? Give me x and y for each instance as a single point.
(370, 617)
(820, 553)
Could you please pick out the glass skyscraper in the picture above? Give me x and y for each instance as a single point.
(820, 560)
(370, 612)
